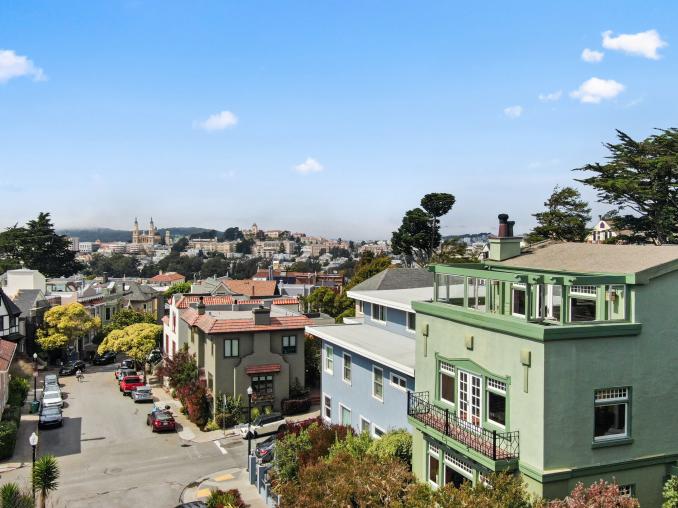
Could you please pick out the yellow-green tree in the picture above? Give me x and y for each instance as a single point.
(136, 340)
(65, 324)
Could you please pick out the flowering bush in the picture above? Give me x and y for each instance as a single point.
(600, 494)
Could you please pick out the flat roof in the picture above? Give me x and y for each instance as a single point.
(388, 348)
(395, 298)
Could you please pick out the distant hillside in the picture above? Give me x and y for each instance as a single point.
(120, 235)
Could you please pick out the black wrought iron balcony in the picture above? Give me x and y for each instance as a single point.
(492, 444)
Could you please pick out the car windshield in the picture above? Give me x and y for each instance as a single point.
(51, 411)
(162, 416)
(52, 395)
(132, 379)
(143, 389)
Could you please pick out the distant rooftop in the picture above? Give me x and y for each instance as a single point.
(388, 348)
(397, 278)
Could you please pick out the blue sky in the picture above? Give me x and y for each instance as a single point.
(328, 117)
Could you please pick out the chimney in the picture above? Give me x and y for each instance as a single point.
(270, 273)
(201, 307)
(262, 316)
(504, 245)
(104, 278)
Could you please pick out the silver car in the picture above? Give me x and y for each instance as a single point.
(51, 379)
(142, 394)
(50, 417)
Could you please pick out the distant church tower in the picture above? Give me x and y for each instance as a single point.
(168, 237)
(135, 231)
(151, 229)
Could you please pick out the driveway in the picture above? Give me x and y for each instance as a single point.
(109, 457)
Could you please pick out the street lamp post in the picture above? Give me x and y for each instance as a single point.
(35, 377)
(249, 425)
(33, 440)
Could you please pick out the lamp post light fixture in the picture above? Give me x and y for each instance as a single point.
(33, 440)
(35, 377)
(249, 425)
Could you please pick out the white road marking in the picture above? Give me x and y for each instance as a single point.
(221, 449)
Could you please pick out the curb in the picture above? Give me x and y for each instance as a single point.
(12, 467)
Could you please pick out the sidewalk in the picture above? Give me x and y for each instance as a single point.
(23, 454)
(234, 478)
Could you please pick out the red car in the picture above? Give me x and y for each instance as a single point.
(160, 420)
(130, 383)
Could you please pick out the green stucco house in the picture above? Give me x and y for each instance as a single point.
(557, 362)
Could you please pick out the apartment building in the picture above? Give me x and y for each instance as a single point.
(556, 363)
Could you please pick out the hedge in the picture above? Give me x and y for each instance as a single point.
(18, 391)
(295, 406)
(12, 414)
(8, 431)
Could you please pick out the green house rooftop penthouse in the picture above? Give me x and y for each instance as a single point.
(556, 361)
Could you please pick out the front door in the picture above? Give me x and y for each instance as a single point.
(470, 397)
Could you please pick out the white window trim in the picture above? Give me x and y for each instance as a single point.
(325, 356)
(374, 431)
(341, 414)
(382, 383)
(519, 287)
(487, 402)
(324, 406)
(432, 451)
(343, 368)
(460, 466)
(407, 323)
(398, 385)
(446, 372)
(614, 401)
(369, 424)
(384, 313)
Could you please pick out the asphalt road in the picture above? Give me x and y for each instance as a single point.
(109, 457)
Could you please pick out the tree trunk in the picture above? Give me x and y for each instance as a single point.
(43, 499)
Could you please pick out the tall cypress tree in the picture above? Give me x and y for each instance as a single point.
(565, 218)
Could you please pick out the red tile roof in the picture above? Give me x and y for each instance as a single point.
(285, 301)
(7, 349)
(210, 324)
(186, 300)
(252, 287)
(168, 277)
(263, 369)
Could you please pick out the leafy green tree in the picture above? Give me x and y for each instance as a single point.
(244, 246)
(185, 265)
(137, 341)
(63, 324)
(11, 496)
(419, 234)
(453, 251)
(39, 247)
(233, 233)
(310, 265)
(177, 287)
(356, 445)
(670, 493)
(115, 265)
(126, 317)
(565, 218)
(641, 176)
(321, 299)
(45, 477)
(395, 444)
(216, 266)
(181, 369)
(180, 245)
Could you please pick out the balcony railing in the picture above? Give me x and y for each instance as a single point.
(492, 444)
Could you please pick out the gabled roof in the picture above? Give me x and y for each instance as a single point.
(141, 292)
(11, 307)
(397, 278)
(29, 299)
(596, 258)
(7, 350)
(167, 277)
(260, 288)
(186, 300)
(210, 324)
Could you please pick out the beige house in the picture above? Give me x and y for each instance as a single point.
(246, 344)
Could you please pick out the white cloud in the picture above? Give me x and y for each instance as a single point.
(595, 90)
(218, 122)
(513, 111)
(16, 66)
(643, 43)
(310, 165)
(550, 97)
(592, 56)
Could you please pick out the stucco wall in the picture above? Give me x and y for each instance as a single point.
(396, 320)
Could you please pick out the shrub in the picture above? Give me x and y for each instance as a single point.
(225, 499)
(180, 370)
(229, 411)
(255, 412)
(212, 425)
(194, 398)
(600, 493)
(670, 493)
(8, 432)
(295, 406)
(12, 414)
(12, 496)
(18, 391)
(355, 445)
(394, 444)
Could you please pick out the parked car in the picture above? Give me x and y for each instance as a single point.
(50, 416)
(160, 419)
(122, 372)
(128, 363)
(265, 450)
(51, 379)
(70, 368)
(142, 394)
(52, 399)
(105, 359)
(263, 424)
(130, 383)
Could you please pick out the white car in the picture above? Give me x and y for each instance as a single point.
(52, 399)
(263, 424)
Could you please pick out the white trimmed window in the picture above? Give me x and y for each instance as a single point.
(361, 306)
(327, 407)
(496, 402)
(346, 374)
(583, 290)
(329, 359)
(411, 322)
(378, 312)
(626, 490)
(364, 425)
(433, 464)
(518, 299)
(378, 383)
(611, 414)
(447, 382)
(345, 415)
(398, 381)
(231, 348)
(377, 431)
(457, 471)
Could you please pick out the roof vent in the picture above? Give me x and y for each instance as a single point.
(201, 306)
